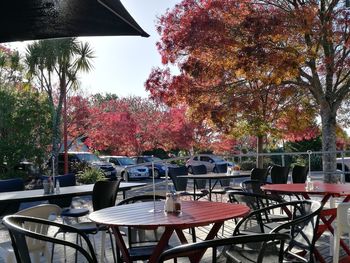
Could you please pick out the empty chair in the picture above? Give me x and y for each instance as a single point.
(180, 184)
(252, 186)
(200, 184)
(44, 211)
(104, 195)
(66, 202)
(259, 174)
(299, 174)
(142, 242)
(267, 248)
(19, 232)
(300, 221)
(10, 185)
(279, 174)
(224, 183)
(342, 227)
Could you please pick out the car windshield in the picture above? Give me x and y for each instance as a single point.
(88, 157)
(126, 161)
(152, 159)
(217, 159)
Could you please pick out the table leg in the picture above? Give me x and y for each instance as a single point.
(121, 244)
(194, 189)
(212, 233)
(209, 189)
(162, 243)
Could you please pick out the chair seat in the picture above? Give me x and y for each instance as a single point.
(249, 253)
(143, 252)
(74, 212)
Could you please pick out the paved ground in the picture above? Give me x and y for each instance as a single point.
(160, 187)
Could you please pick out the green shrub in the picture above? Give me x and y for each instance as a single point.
(90, 175)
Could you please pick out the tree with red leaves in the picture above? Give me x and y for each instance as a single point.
(302, 46)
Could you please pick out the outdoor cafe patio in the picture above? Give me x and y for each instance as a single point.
(217, 218)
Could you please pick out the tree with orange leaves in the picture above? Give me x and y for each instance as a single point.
(218, 79)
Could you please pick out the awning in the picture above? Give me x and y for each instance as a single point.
(40, 19)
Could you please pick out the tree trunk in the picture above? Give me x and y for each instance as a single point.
(259, 149)
(328, 116)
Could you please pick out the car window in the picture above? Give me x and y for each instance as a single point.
(206, 159)
(113, 160)
(88, 157)
(151, 159)
(126, 161)
(195, 158)
(217, 159)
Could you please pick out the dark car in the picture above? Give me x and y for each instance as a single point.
(88, 158)
(159, 165)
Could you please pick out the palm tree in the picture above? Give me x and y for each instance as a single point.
(53, 65)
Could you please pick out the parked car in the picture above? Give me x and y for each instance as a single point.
(121, 164)
(86, 157)
(159, 166)
(209, 160)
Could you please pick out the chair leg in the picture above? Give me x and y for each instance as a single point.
(103, 243)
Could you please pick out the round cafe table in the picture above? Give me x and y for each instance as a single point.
(320, 188)
(142, 215)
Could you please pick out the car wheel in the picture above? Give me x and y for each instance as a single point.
(190, 170)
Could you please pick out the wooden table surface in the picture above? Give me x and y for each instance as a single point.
(194, 213)
(142, 215)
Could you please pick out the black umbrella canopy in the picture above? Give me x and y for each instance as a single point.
(41, 19)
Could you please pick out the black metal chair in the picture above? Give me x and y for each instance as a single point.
(224, 183)
(259, 174)
(301, 222)
(10, 185)
(270, 248)
(252, 186)
(66, 202)
(201, 184)
(180, 184)
(104, 195)
(279, 174)
(299, 174)
(17, 227)
(141, 242)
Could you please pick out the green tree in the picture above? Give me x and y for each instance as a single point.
(54, 66)
(24, 126)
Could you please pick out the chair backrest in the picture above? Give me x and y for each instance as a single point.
(44, 211)
(259, 174)
(180, 184)
(104, 194)
(220, 168)
(65, 180)
(300, 220)
(200, 169)
(299, 174)
(141, 198)
(279, 174)
(10, 185)
(271, 244)
(342, 227)
(252, 200)
(16, 226)
(252, 186)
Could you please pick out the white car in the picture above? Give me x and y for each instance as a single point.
(121, 164)
(209, 160)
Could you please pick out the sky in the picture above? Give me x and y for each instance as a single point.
(123, 63)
